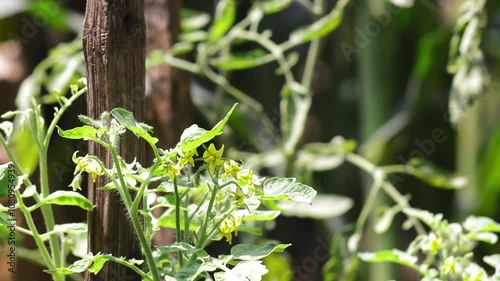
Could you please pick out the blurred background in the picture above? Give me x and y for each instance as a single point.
(381, 79)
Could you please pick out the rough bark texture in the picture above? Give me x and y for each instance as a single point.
(168, 103)
(114, 46)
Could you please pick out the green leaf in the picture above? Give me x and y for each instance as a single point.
(26, 149)
(425, 216)
(248, 229)
(126, 118)
(322, 207)
(189, 272)
(318, 29)
(384, 221)
(481, 224)
(487, 237)
(251, 252)
(239, 61)
(181, 48)
(84, 132)
(193, 19)
(183, 247)
(71, 227)
(187, 38)
(393, 255)
(68, 198)
(193, 269)
(261, 215)
(93, 263)
(279, 266)
(225, 14)
(29, 191)
(8, 179)
(493, 261)
(195, 136)
(7, 127)
(435, 176)
(274, 6)
(287, 189)
(77, 243)
(77, 267)
(4, 219)
(53, 13)
(247, 270)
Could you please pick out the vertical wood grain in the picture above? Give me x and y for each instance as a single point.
(114, 39)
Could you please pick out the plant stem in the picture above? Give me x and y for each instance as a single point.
(134, 268)
(203, 234)
(178, 237)
(365, 212)
(302, 104)
(371, 168)
(49, 262)
(47, 212)
(133, 214)
(187, 219)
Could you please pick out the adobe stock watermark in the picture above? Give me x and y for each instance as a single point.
(11, 205)
(312, 265)
(363, 36)
(31, 25)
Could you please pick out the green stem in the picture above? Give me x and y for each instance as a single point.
(399, 198)
(49, 262)
(134, 268)
(27, 214)
(187, 219)
(302, 105)
(203, 234)
(389, 189)
(133, 214)
(59, 114)
(47, 212)
(178, 236)
(365, 212)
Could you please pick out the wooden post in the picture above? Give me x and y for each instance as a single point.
(114, 39)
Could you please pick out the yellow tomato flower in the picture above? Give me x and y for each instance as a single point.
(245, 177)
(433, 244)
(450, 266)
(88, 165)
(188, 157)
(173, 170)
(213, 158)
(230, 225)
(239, 197)
(231, 168)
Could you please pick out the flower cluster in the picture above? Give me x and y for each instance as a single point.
(87, 164)
(234, 182)
(230, 225)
